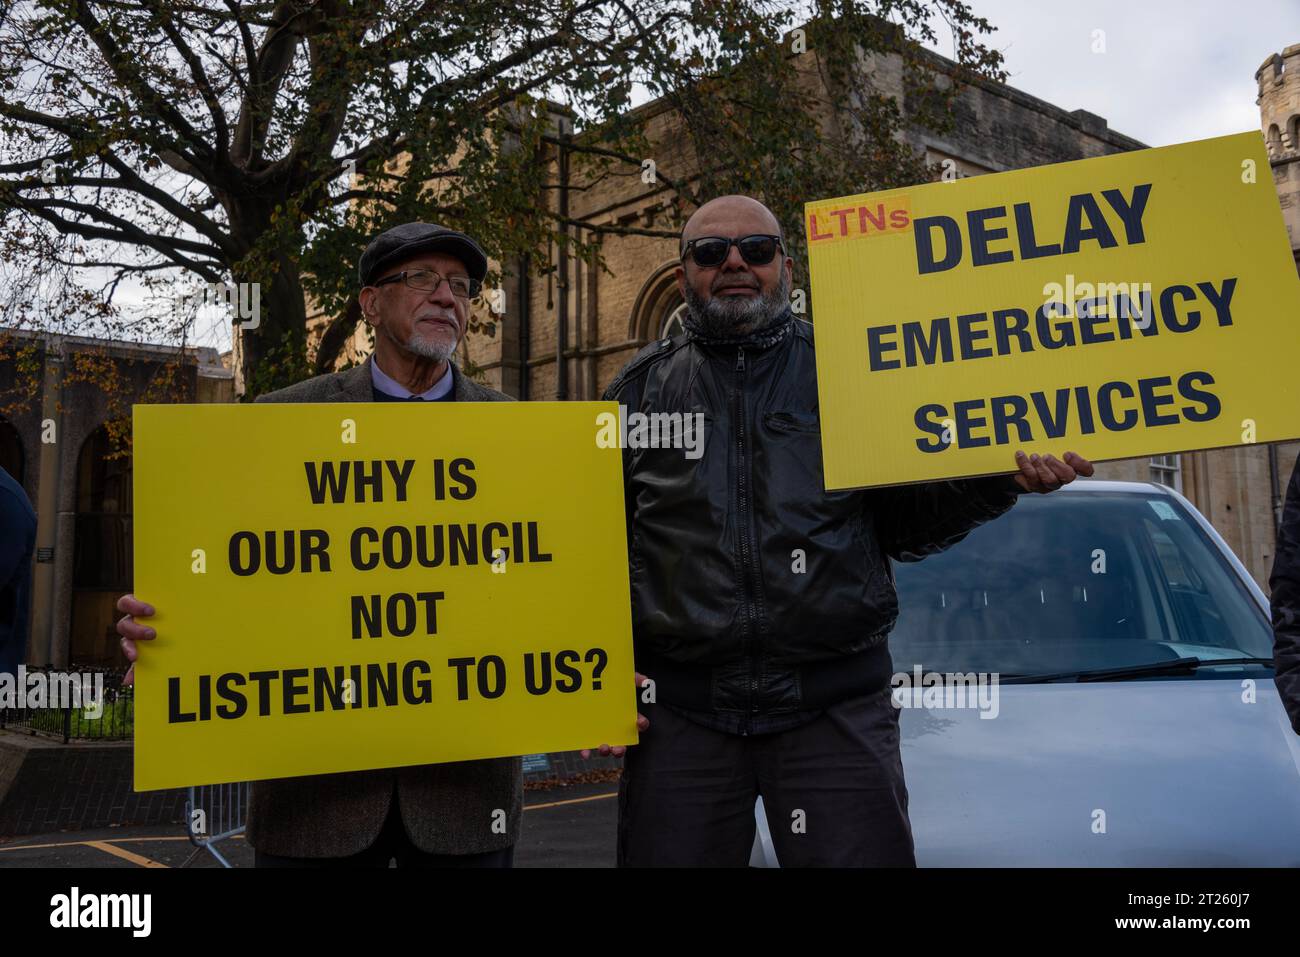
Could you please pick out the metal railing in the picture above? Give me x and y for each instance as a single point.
(112, 719)
(214, 813)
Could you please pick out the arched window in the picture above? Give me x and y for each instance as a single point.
(101, 564)
(11, 451)
(1273, 139)
(656, 305)
(673, 323)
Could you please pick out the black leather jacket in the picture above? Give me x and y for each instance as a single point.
(1284, 584)
(754, 590)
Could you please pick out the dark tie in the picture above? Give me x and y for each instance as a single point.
(415, 398)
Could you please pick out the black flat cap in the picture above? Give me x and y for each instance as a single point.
(409, 239)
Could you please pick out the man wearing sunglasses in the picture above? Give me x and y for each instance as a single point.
(416, 282)
(761, 603)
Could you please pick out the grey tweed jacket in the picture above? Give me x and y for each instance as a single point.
(447, 808)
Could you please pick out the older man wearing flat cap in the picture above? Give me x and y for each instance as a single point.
(416, 282)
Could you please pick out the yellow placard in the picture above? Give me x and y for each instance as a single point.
(1135, 304)
(368, 585)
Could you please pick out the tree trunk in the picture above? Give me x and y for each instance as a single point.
(335, 338)
(275, 353)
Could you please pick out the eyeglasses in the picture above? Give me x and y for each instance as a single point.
(426, 280)
(709, 251)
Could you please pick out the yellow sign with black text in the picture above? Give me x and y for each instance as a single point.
(367, 585)
(1128, 305)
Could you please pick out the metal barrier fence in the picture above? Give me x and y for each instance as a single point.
(112, 719)
(214, 813)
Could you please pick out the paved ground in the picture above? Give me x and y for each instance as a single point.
(565, 827)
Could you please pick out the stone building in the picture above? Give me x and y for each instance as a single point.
(1279, 110)
(62, 394)
(598, 320)
(567, 328)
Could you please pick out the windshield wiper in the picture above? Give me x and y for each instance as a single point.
(1175, 666)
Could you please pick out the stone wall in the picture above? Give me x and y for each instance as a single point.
(48, 786)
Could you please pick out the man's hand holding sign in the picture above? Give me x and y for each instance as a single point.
(1047, 473)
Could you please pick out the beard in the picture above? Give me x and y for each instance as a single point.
(439, 348)
(725, 317)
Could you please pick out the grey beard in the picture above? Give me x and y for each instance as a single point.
(729, 316)
(430, 349)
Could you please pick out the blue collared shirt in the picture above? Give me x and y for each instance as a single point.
(386, 384)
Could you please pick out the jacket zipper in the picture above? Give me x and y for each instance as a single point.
(746, 546)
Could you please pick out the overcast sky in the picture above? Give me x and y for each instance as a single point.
(1172, 71)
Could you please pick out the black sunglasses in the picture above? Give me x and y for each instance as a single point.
(709, 251)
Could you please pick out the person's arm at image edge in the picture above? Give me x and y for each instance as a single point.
(1284, 584)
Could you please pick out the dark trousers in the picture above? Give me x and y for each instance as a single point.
(832, 788)
(393, 843)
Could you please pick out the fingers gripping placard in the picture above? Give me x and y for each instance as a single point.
(342, 587)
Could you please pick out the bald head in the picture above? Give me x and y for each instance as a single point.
(733, 215)
(734, 297)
